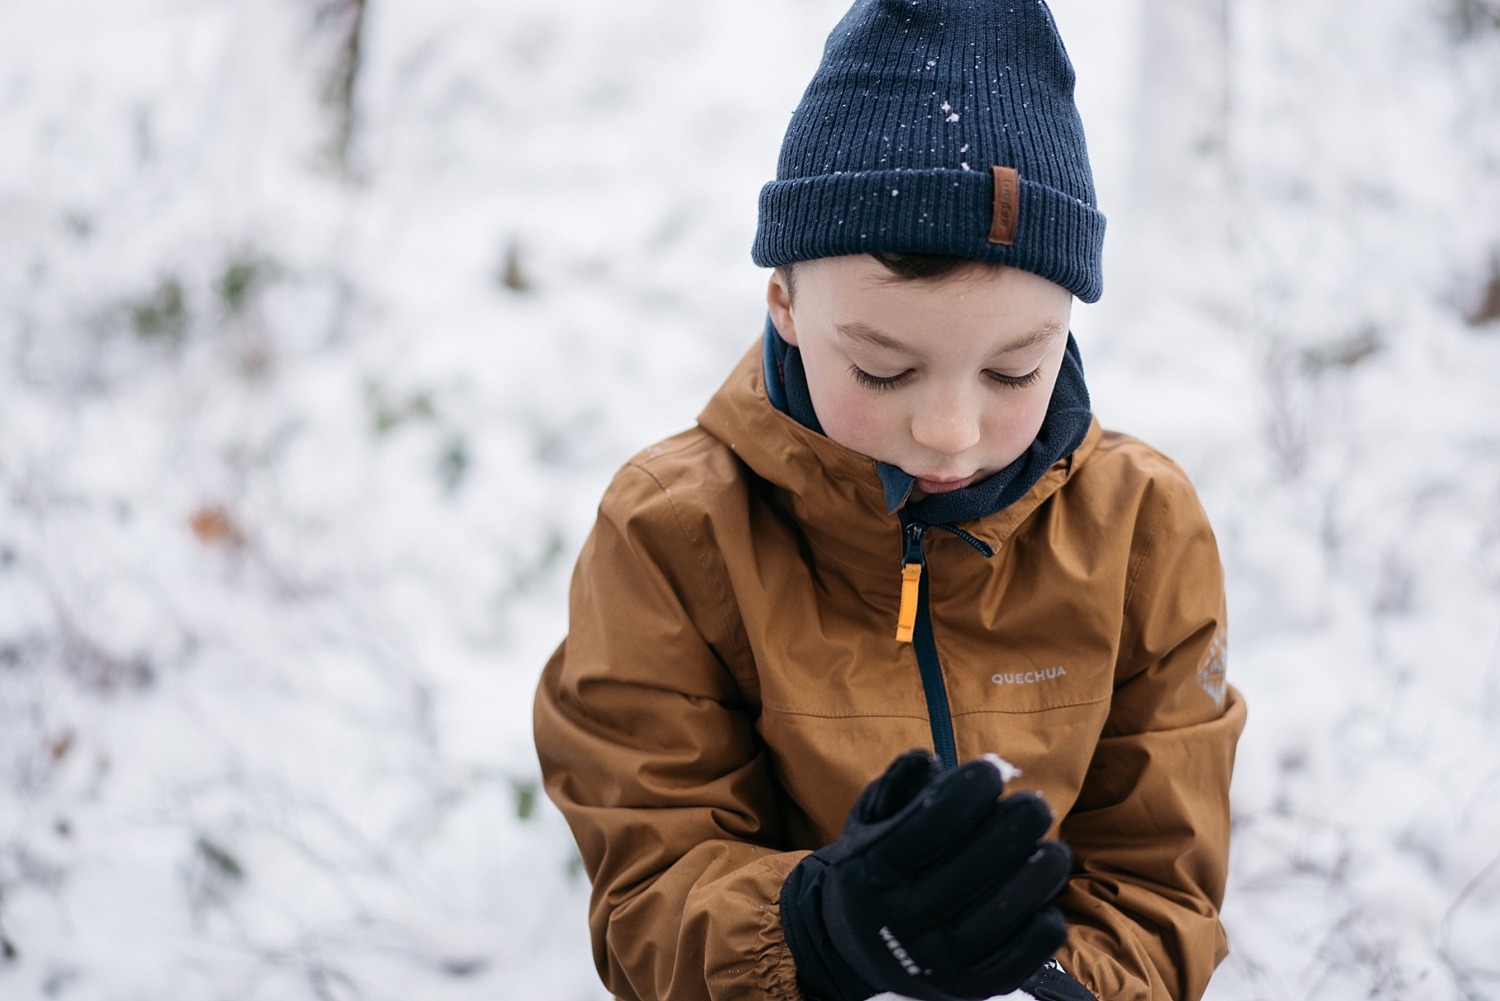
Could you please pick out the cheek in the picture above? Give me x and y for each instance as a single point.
(853, 419)
(1016, 425)
(850, 414)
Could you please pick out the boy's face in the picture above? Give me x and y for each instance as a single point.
(948, 378)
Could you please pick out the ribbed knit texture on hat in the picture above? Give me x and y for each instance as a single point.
(892, 145)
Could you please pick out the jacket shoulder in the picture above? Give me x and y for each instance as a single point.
(677, 507)
(690, 472)
(1124, 473)
(1127, 493)
(1129, 459)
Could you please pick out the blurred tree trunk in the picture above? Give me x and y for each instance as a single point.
(1181, 170)
(347, 21)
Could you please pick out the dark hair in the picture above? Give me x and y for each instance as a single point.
(903, 267)
(919, 267)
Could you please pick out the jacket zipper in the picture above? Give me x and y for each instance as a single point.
(912, 565)
(914, 626)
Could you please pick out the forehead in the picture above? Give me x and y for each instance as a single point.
(1006, 342)
(859, 301)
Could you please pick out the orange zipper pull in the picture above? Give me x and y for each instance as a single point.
(906, 619)
(911, 580)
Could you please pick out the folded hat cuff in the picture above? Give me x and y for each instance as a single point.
(937, 211)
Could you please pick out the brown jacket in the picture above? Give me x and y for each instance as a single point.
(731, 681)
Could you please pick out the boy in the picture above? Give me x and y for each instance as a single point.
(897, 526)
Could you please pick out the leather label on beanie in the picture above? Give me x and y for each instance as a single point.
(1007, 205)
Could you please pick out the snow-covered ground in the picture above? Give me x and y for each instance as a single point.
(299, 435)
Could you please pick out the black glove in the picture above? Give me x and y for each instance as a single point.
(938, 889)
(1052, 983)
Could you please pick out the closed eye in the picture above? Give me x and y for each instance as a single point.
(1016, 381)
(878, 382)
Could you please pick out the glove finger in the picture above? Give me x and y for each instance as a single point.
(943, 815)
(997, 849)
(996, 916)
(1010, 962)
(903, 779)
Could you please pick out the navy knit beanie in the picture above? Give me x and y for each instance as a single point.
(939, 127)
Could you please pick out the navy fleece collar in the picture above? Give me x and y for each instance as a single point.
(1063, 429)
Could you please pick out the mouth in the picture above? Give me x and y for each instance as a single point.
(943, 486)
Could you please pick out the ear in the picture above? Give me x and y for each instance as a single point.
(779, 302)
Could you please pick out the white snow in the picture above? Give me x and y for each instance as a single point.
(1008, 771)
(295, 456)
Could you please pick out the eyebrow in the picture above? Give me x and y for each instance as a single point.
(863, 333)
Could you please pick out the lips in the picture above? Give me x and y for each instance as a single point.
(943, 486)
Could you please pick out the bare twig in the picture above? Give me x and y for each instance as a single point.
(342, 88)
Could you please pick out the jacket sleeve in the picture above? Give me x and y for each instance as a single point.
(1150, 828)
(648, 748)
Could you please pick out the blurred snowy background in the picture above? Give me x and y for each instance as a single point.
(323, 324)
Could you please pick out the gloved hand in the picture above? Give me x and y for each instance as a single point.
(1052, 983)
(938, 889)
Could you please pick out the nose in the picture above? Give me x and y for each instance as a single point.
(946, 423)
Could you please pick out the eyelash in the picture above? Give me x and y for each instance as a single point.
(1017, 381)
(879, 383)
(876, 382)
